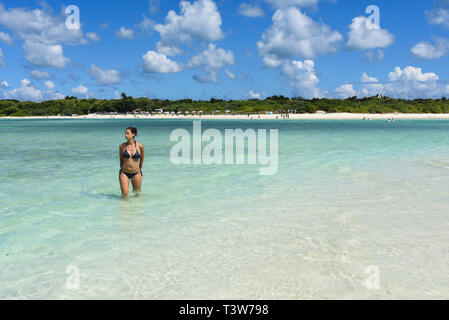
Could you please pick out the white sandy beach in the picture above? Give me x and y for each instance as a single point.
(307, 116)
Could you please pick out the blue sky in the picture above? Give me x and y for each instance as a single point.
(224, 49)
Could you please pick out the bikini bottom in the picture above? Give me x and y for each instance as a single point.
(130, 175)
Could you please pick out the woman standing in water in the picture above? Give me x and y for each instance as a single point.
(130, 166)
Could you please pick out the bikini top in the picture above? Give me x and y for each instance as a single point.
(135, 156)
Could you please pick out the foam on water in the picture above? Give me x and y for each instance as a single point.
(347, 195)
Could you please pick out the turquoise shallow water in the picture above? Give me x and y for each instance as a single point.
(347, 195)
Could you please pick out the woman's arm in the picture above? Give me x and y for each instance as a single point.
(120, 155)
(142, 155)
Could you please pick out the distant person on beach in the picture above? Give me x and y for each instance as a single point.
(131, 162)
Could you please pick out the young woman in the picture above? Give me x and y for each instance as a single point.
(131, 162)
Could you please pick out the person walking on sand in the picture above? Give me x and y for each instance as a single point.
(131, 156)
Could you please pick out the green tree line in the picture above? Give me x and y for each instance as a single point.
(275, 104)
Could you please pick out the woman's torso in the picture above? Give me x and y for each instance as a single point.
(130, 164)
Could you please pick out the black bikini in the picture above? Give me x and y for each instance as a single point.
(135, 156)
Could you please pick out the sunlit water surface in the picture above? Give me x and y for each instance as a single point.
(350, 198)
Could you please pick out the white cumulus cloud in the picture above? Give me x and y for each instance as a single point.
(345, 91)
(230, 74)
(54, 95)
(211, 60)
(38, 25)
(125, 33)
(50, 93)
(40, 74)
(411, 73)
(366, 78)
(407, 83)
(5, 38)
(440, 14)
(197, 21)
(427, 50)
(104, 77)
(92, 36)
(42, 32)
(2, 58)
(247, 10)
(294, 34)
(154, 62)
(26, 92)
(42, 55)
(412, 83)
(211, 77)
(49, 84)
(370, 87)
(364, 35)
(374, 56)
(82, 91)
(253, 95)
(303, 78)
(146, 24)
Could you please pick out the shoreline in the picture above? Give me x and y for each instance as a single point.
(303, 116)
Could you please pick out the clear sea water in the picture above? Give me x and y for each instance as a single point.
(349, 196)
